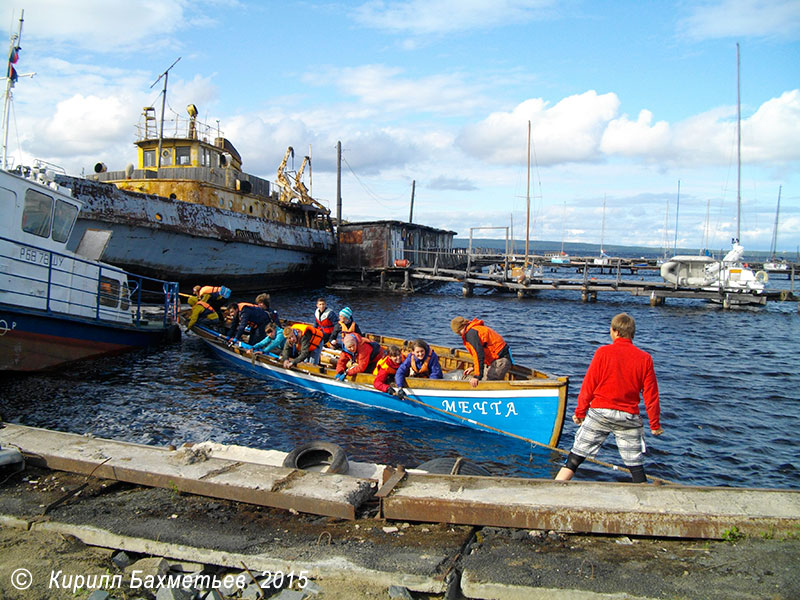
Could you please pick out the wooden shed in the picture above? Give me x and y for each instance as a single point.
(381, 244)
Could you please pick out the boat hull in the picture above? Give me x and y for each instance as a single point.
(32, 340)
(534, 415)
(193, 243)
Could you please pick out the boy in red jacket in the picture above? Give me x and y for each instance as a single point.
(609, 402)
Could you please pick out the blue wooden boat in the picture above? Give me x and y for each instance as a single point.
(527, 405)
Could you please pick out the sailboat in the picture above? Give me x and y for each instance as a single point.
(773, 264)
(532, 270)
(727, 276)
(562, 258)
(603, 259)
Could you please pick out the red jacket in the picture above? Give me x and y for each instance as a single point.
(618, 373)
(366, 357)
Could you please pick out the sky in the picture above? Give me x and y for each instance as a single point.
(632, 106)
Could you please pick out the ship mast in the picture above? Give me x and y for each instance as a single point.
(165, 75)
(12, 51)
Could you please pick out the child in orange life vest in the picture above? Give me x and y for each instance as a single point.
(387, 367)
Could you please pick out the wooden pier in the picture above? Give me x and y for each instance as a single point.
(584, 276)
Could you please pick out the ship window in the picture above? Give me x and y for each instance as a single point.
(183, 155)
(149, 158)
(126, 297)
(37, 214)
(63, 220)
(166, 157)
(205, 157)
(109, 291)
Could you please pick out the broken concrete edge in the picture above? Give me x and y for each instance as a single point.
(339, 567)
(483, 589)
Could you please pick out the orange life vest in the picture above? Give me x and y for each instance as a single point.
(424, 369)
(492, 342)
(387, 362)
(348, 328)
(316, 337)
(209, 289)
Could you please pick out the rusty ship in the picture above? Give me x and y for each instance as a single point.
(188, 213)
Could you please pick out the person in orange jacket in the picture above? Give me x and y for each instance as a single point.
(487, 348)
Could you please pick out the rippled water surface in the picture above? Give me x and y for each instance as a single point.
(730, 388)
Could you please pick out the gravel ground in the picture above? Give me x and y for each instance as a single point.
(372, 553)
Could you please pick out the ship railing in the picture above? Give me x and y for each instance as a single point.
(179, 127)
(216, 176)
(37, 278)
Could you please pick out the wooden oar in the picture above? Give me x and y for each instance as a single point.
(404, 396)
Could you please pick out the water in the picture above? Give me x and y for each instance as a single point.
(730, 388)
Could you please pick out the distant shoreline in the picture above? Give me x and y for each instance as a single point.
(585, 249)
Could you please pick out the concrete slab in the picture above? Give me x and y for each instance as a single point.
(503, 564)
(191, 471)
(503, 567)
(594, 507)
(159, 522)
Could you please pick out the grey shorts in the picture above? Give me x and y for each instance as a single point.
(497, 370)
(627, 430)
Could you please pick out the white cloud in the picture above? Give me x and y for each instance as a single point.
(738, 18)
(636, 138)
(385, 90)
(107, 24)
(571, 130)
(772, 133)
(425, 17)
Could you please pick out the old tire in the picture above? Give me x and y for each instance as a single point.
(318, 454)
(448, 466)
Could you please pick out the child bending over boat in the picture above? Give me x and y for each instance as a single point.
(387, 367)
(361, 354)
(487, 348)
(303, 344)
(422, 362)
(273, 343)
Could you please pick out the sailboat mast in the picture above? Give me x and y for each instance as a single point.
(738, 151)
(774, 246)
(677, 209)
(528, 200)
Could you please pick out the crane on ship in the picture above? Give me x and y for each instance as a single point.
(298, 191)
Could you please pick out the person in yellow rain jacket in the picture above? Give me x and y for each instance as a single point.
(201, 311)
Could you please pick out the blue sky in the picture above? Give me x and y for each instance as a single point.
(625, 98)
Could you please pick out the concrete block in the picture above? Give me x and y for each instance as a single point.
(168, 593)
(251, 592)
(121, 560)
(396, 591)
(154, 566)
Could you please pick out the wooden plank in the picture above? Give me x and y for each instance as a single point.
(609, 508)
(186, 471)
